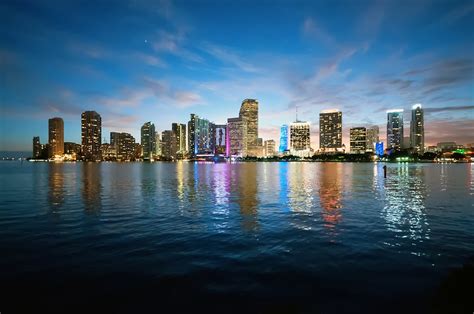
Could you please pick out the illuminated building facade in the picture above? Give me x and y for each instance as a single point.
(300, 144)
(417, 129)
(219, 137)
(148, 140)
(395, 129)
(179, 131)
(270, 148)
(200, 136)
(372, 138)
(37, 149)
(91, 135)
(123, 144)
(236, 143)
(358, 140)
(379, 149)
(330, 130)
(249, 114)
(56, 137)
(284, 143)
(169, 144)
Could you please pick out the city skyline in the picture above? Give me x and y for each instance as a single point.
(171, 60)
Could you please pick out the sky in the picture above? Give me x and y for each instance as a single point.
(136, 61)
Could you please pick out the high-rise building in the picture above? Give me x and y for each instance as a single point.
(300, 144)
(158, 144)
(379, 149)
(56, 137)
(123, 144)
(180, 133)
(200, 136)
(395, 129)
(330, 130)
(236, 143)
(148, 140)
(168, 144)
(284, 139)
(249, 114)
(91, 135)
(372, 138)
(358, 140)
(36, 147)
(72, 148)
(270, 148)
(219, 137)
(417, 129)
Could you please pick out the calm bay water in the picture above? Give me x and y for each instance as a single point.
(296, 237)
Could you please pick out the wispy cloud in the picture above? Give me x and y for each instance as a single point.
(174, 43)
(229, 57)
(312, 29)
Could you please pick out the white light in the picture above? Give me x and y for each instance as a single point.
(330, 111)
(394, 110)
(416, 106)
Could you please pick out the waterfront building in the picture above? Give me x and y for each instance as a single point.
(148, 140)
(157, 144)
(219, 136)
(169, 145)
(56, 137)
(372, 138)
(284, 143)
(395, 129)
(446, 146)
(236, 144)
(37, 149)
(379, 151)
(330, 130)
(249, 114)
(358, 140)
(417, 129)
(269, 148)
(300, 144)
(72, 149)
(123, 145)
(91, 135)
(179, 131)
(200, 136)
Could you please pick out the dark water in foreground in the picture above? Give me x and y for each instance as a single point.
(250, 237)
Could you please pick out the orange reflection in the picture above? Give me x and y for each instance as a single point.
(330, 193)
(91, 186)
(247, 200)
(56, 186)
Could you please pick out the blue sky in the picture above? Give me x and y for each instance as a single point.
(159, 61)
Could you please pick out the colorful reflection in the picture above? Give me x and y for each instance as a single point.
(330, 193)
(247, 195)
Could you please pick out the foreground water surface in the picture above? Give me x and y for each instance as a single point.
(263, 237)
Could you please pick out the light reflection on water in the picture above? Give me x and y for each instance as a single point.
(319, 221)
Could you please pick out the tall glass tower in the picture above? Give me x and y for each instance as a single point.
(283, 139)
(249, 115)
(395, 129)
(148, 140)
(417, 129)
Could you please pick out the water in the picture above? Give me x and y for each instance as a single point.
(255, 237)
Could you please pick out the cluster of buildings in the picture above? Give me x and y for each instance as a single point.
(201, 138)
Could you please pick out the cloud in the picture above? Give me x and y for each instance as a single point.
(229, 57)
(311, 29)
(458, 13)
(451, 108)
(151, 60)
(174, 43)
(88, 49)
(166, 94)
(460, 131)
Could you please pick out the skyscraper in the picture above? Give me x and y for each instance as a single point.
(36, 147)
(192, 133)
(330, 129)
(395, 129)
(168, 144)
(123, 144)
(300, 144)
(358, 140)
(56, 137)
(283, 139)
(180, 133)
(270, 148)
(417, 129)
(236, 143)
(219, 137)
(200, 136)
(372, 138)
(249, 114)
(148, 140)
(91, 135)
